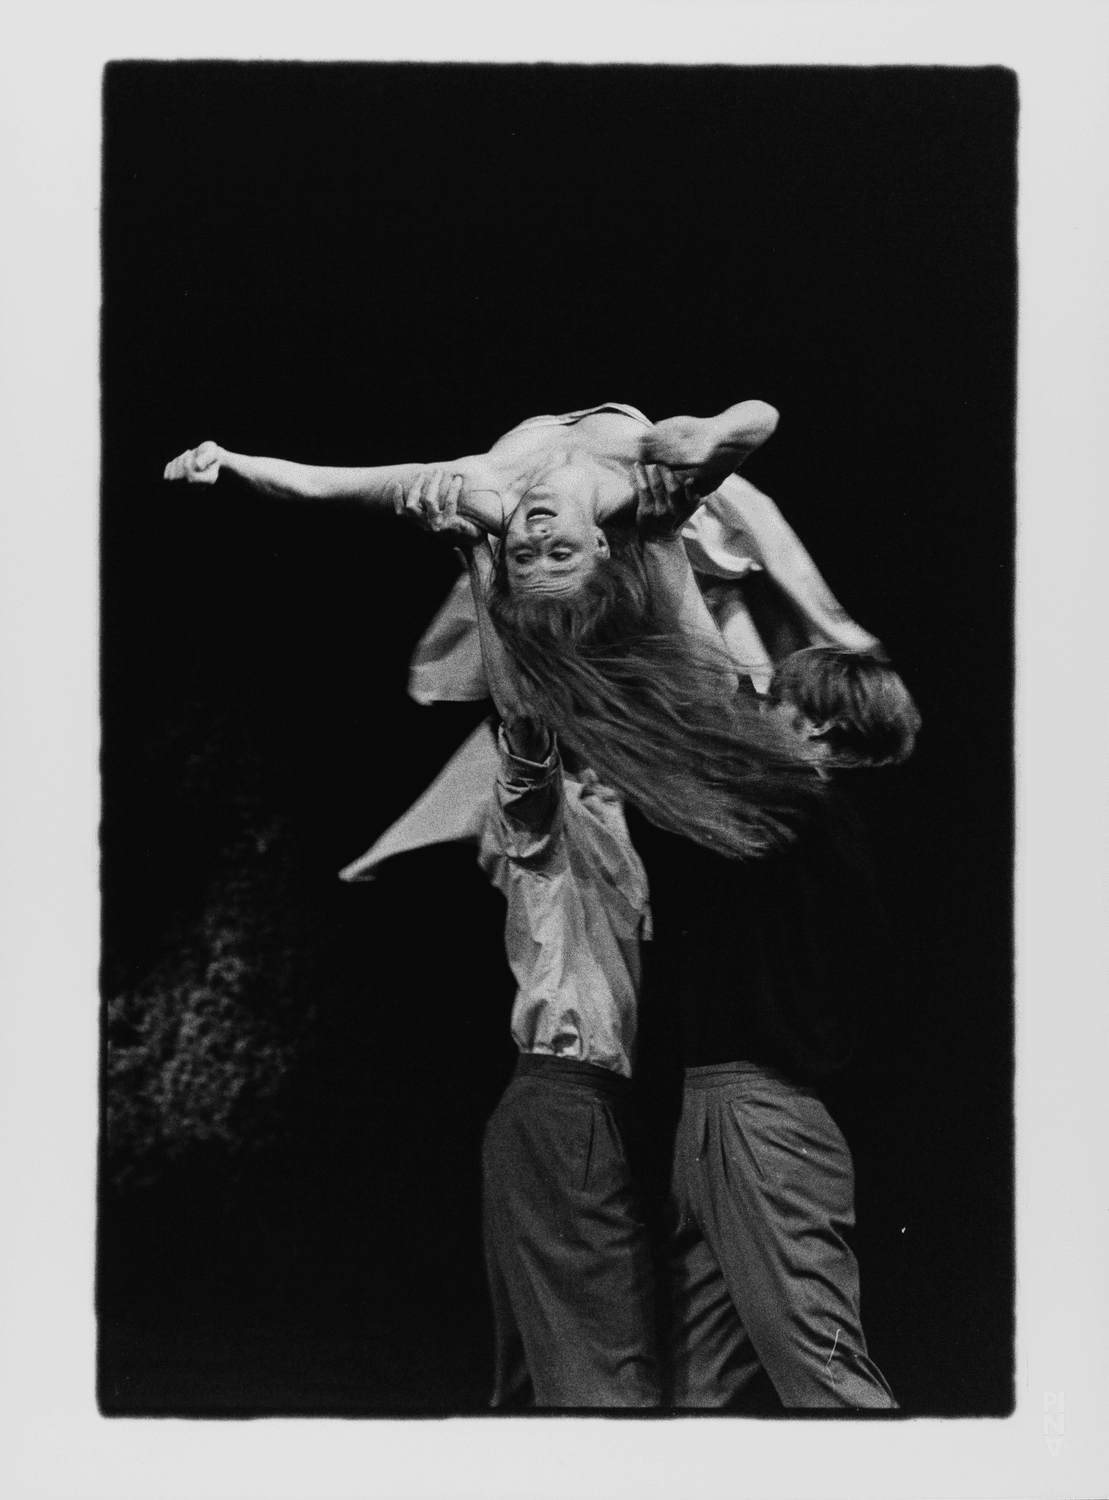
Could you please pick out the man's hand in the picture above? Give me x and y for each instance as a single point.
(664, 502)
(432, 502)
(198, 465)
(593, 790)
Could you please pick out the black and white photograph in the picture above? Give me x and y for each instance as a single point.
(577, 975)
(564, 858)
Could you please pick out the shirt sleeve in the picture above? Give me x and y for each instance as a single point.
(530, 815)
(740, 530)
(717, 543)
(447, 664)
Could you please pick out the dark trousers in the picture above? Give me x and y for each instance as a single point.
(566, 1246)
(762, 1192)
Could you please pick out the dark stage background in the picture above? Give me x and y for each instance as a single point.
(360, 264)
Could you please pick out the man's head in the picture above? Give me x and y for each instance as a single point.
(850, 706)
(553, 542)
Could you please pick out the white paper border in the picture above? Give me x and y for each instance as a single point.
(53, 1443)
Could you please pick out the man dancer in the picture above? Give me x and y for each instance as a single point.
(762, 966)
(566, 1245)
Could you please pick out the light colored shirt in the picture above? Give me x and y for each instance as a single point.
(558, 848)
(576, 890)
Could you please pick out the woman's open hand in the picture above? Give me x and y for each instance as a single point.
(198, 465)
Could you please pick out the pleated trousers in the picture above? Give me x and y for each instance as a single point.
(761, 1274)
(566, 1245)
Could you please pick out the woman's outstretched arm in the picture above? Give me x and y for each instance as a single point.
(478, 489)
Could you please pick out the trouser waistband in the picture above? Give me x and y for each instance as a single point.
(570, 1070)
(720, 1075)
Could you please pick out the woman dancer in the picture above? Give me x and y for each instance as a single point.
(556, 490)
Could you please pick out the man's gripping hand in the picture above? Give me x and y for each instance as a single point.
(432, 502)
(664, 501)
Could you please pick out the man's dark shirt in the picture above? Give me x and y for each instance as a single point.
(767, 960)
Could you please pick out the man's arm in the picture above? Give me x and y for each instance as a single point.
(675, 593)
(737, 524)
(529, 781)
(469, 485)
(527, 737)
(750, 523)
(663, 505)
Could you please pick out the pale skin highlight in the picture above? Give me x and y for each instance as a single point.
(544, 491)
(593, 468)
(552, 539)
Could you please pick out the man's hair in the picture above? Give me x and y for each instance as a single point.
(658, 715)
(856, 697)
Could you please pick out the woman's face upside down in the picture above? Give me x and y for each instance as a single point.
(553, 541)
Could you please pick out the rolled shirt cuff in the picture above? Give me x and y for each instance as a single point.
(516, 771)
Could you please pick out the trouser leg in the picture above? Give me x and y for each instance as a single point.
(712, 1360)
(567, 1248)
(511, 1382)
(770, 1183)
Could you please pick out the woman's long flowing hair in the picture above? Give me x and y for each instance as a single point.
(659, 716)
